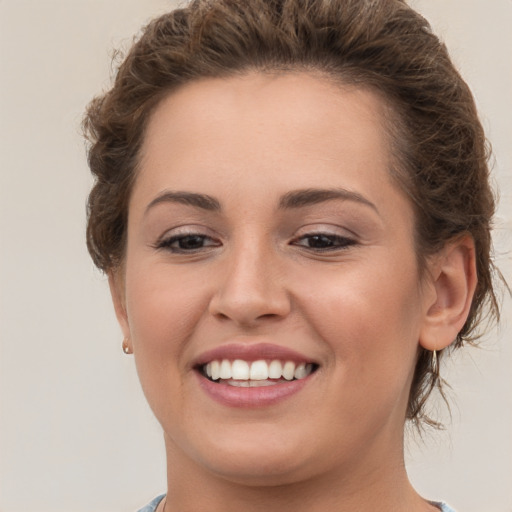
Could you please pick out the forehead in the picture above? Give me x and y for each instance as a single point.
(257, 100)
(260, 135)
(263, 119)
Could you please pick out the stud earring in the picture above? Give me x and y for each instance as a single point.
(126, 348)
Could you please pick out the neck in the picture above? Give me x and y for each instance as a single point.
(372, 482)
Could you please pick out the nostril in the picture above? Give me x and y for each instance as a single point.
(248, 309)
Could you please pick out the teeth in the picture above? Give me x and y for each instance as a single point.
(275, 370)
(259, 370)
(300, 371)
(239, 370)
(288, 370)
(246, 374)
(215, 370)
(249, 383)
(225, 369)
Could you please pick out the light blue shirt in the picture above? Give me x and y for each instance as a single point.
(443, 507)
(151, 507)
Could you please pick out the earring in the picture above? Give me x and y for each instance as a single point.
(126, 348)
(434, 364)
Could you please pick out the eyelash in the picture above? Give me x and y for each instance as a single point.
(167, 243)
(337, 242)
(333, 242)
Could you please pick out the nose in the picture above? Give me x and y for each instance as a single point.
(251, 287)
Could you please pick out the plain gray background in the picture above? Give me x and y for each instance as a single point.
(75, 432)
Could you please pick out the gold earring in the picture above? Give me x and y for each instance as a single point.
(126, 348)
(434, 363)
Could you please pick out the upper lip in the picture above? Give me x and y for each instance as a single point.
(251, 352)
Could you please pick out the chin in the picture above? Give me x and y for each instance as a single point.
(257, 458)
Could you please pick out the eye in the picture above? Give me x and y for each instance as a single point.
(190, 242)
(324, 242)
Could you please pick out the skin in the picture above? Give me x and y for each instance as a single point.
(358, 309)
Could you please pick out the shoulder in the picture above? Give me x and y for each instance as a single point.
(151, 506)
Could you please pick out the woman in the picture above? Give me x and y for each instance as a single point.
(293, 209)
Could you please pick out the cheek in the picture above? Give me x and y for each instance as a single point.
(163, 310)
(162, 304)
(369, 316)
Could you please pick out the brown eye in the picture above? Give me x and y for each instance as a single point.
(324, 242)
(190, 242)
(187, 243)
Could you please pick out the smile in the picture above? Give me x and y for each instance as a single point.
(251, 375)
(241, 373)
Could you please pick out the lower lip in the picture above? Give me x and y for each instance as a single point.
(263, 396)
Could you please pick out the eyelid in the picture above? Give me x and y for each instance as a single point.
(169, 236)
(326, 229)
(185, 230)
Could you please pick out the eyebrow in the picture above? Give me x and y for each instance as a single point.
(293, 199)
(310, 196)
(203, 201)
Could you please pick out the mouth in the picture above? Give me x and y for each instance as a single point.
(254, 374)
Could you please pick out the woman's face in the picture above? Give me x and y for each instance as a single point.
(264, 226)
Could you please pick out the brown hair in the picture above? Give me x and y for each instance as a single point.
(438, 142)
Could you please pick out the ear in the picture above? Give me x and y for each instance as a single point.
(454, 279)
(116, 284)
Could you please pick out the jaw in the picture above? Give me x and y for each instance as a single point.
(267, 478)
